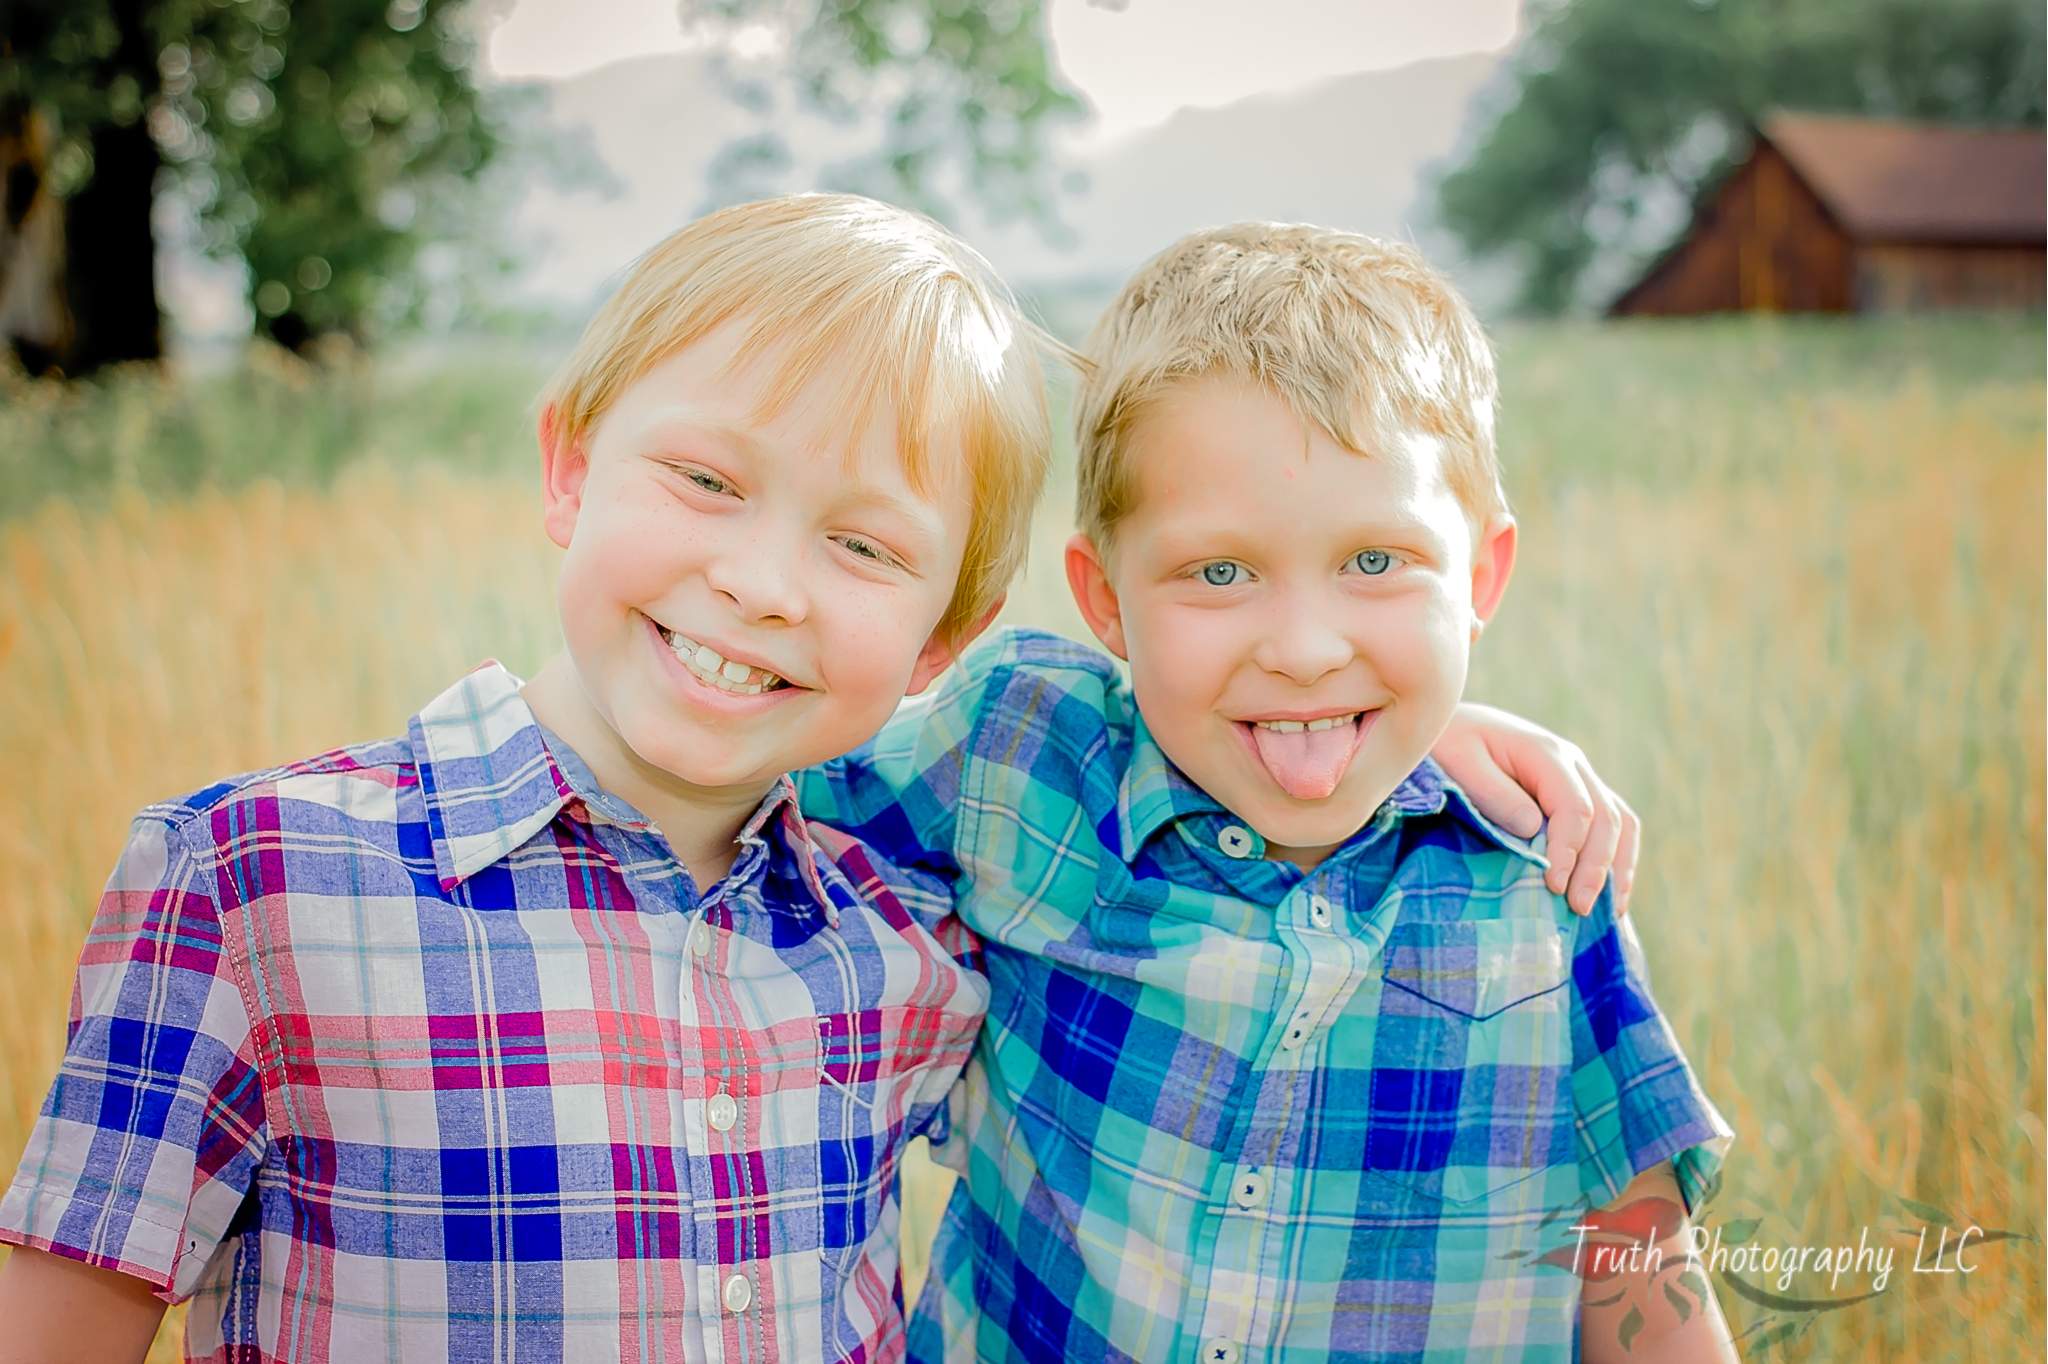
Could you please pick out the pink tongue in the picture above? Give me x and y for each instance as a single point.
(1309, 764)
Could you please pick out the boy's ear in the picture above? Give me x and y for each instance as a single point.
(944, 647)
(1493, 563)
(564, 466)
(1088, 579)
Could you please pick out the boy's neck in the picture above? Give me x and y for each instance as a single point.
(1308, 859)
(700, 823)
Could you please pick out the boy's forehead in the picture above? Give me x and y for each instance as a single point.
(1260, 424)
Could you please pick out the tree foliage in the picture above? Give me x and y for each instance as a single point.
(326, 142)
(965, 88)
(313, 138)
(317, 139)
(1617, 114)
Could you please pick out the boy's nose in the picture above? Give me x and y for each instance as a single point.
(762, 576)
(1299, 643)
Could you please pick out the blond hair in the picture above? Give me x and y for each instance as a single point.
(933, 334)
(1359, 336)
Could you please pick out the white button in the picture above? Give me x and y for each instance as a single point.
(1250, 1190)
(1297, 1030)
(700, 938)
(1319, 911)
(724, 1112)
(1235, 841)
(738, 1293)
(1219, 1351)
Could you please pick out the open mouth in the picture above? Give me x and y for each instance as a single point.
(1308, 758)
(714, 669)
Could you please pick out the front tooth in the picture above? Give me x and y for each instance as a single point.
(707, 659)
(1318, 726)
(734, 670)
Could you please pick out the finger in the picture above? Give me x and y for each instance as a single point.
(1571, 819)
(1625, 854)
(1500, 797)
(1596, 856)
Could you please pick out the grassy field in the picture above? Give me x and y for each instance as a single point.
(1783, 581)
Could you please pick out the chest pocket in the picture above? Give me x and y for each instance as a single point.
(1471, 1074)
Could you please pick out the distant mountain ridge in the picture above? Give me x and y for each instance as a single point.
(1348, 152)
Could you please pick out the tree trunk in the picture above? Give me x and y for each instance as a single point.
(111, 255)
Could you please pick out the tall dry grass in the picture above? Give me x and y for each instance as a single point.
(1799, 620)
(146, 649)
(1784, 583)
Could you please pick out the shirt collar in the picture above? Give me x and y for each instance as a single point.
(486, 776)
(1155, 793)
(491, 779)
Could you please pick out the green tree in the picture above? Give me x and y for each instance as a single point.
(966, 87)
(315, 139)
(1617, 114)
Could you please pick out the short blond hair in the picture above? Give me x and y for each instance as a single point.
(1360, 336)
(935, 336)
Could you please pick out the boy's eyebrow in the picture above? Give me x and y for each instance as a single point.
(682, 419)
(1210, 540)
(916, 518)
(916, 521)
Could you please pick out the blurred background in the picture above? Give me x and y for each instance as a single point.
(279, 280)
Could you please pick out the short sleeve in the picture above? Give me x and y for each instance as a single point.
(1636, 1098)
(153, 1129)
(900, 791)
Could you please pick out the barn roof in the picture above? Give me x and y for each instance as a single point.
(1902, 182)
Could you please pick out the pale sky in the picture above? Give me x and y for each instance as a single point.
(1136, 64)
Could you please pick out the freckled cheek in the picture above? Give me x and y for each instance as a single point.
(1422, 645)
(1185, 658)
(637, 553)
(867, 648)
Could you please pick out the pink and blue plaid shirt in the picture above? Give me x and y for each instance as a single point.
(430, 1050)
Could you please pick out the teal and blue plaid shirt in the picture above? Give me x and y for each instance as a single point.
(1224, 1111)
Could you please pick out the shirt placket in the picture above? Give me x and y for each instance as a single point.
(714, 1173)
(1244, 1288)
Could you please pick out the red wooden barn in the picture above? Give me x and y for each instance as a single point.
(1835, 214)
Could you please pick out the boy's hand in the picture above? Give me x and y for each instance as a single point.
(59, 1311)
(1519, 775)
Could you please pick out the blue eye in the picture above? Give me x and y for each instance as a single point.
(861, 548)
(1372, 562)
(1222, 573)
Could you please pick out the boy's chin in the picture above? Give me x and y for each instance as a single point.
(1333, 822)
(712, 767)
(1289, 823)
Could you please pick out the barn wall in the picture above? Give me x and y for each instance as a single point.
(1921, 278)
(1763, 243)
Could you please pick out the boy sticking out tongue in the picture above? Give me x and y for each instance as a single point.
(1292, 1054)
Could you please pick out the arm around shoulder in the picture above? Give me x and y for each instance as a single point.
(60, 1311)
(1529, 781)
(902, 781)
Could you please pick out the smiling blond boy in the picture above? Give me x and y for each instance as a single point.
(548, 1030)
(1292, 1054)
